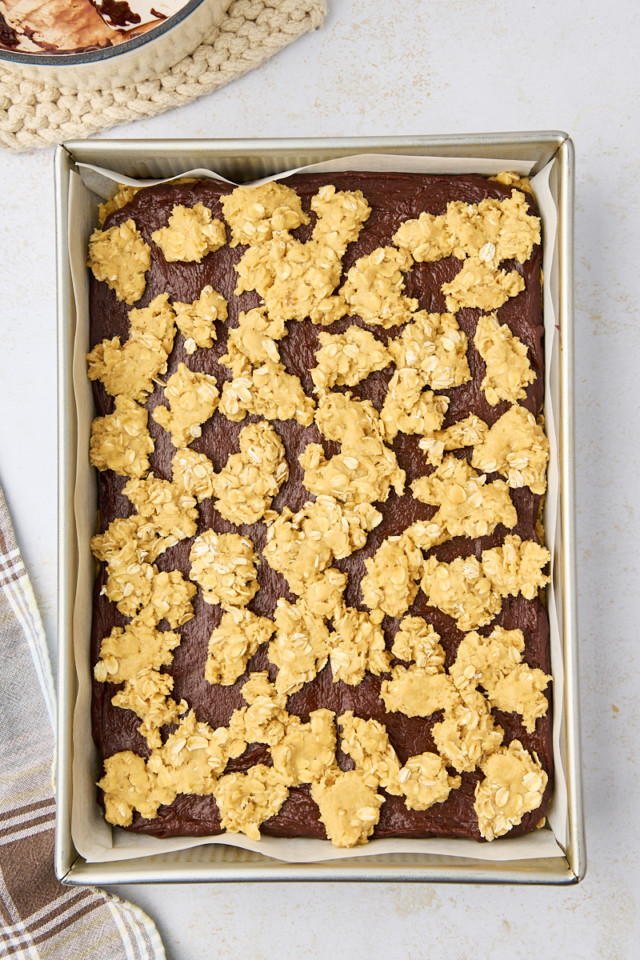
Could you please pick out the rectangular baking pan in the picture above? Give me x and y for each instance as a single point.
(244, 160)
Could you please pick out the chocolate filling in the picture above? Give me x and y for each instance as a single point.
(394, 198)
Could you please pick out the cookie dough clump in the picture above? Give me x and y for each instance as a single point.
(193, 398)
(132, 369)
(196, 320)
(508, 369)
(224, 565)
(233, 643)
(349, 809)
(513, 786)
(348, 358)
(120, 441)
(120, 257)
(249, 481)
(190, 235)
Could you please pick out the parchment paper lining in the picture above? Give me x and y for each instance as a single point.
(93, 837)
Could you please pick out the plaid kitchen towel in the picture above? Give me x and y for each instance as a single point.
(40, 919)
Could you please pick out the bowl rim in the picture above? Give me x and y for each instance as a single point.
(101, 54)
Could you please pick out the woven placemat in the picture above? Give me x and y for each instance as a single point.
(34, 114)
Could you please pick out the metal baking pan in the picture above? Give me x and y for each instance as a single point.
(244, 160)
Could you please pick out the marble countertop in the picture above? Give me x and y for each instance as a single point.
(413, 67)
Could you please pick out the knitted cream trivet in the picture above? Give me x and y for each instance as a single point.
(34, 114)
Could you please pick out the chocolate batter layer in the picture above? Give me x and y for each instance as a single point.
(393, 198)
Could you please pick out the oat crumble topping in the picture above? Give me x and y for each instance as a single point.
(508, 369)
(348, 358)
(367, 743)
(120, 441)
(249, 481)
(307, 751)
(256, 214)
(130, 649)
(301, 546)
(128, 785)
(417, 641)
(233, 643)
(416, 693)
(147, 694)
(366, 469)
(253, 342)
(190, 235)
(471, 590)
(462, 590)
(193, 757)
(374, 288)
(479, 285)
(349, 809)
(424, 781)
(434, 346)
(196, 320)
(297, 280)
(468, 506)
(482, 235)
(513, 785)
(356, 646)
(119, 200)
(409, 408)
(300, 647)
(224, 566)
(246, 800)
(391, 581)
(495, 664)
(516, 567)
(193, 472)
(265, 718)
(193, 398)
(468, 733)
(267, 391)
(169, 510)
(131, 369)
(120, 257)
(516, 447)
(470, 432)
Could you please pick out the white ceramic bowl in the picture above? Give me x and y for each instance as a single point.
(131, 61)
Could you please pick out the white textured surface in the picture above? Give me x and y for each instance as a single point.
(400, 68)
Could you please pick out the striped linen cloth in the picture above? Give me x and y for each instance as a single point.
(40, 919)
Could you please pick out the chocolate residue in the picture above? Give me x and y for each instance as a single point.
(8, 36)
(117, 12)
